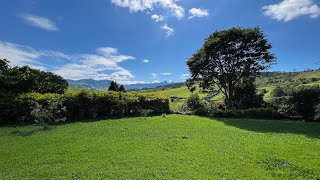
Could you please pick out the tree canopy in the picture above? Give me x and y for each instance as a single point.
(227, 56)
(122, 88)
(25, 79)
(113, 86)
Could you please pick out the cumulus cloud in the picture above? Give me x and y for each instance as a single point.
(22, 55)
(103, 64)
(195, 12)
(142, 5)
(291, 9)
(169, 31)
(157, 18)
(157, 76)
(97, 66)
(40, 22)
(145, 61)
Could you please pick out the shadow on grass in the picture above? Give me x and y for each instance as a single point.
(310, 129)
(25, 133)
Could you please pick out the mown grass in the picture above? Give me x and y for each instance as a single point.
(176, 147)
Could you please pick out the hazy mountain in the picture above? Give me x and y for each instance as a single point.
(104, 84)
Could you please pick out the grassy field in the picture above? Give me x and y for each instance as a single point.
(176, 147)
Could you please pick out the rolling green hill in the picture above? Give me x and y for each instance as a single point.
(267, 81)
(176, 147)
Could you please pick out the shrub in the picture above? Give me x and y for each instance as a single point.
(52, 110)
(305, 101)
(257, 113)
(194, 105)
(17, 108)
(145, 112)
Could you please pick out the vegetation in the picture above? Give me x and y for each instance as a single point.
(25, 79)
(186, 147)
(113, 86)
(84, 104)
(53, 110)
(227, 56)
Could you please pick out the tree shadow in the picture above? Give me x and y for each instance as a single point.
(25, 133)
(310, 129)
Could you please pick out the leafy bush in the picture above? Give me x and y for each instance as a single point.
(245, 95)
(194, 105)
(145, 112)
(53, 110)
(257, 113)
(305, 101)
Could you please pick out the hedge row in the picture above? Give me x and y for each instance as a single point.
(16, 108)
(257, 113)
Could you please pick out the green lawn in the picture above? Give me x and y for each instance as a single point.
(178, 147)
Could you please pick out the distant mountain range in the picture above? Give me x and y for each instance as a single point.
(104, 84)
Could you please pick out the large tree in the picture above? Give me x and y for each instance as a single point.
(25, 79)
(227, 56)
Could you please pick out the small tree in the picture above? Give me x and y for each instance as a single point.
(246, 96)
(122, 89)
(305, 102)
(53, 110)
(113, 86)
(228, 56)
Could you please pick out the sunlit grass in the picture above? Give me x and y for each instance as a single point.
(185, 147)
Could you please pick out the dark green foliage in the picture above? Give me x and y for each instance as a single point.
(228, 56)
(305, 101)
(196, 105)
(113, 86)
(245, 95)
(25, 79)
(258, 113)
(122, 89)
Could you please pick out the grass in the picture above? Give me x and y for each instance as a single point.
(182, 92)
(178, 147)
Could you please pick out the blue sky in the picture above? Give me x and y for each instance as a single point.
(135, 41)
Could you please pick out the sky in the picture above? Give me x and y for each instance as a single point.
(145, 41)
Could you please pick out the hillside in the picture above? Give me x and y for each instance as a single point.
(96, 85)
(186, 147)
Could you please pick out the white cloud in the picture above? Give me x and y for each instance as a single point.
(154, 75)
(40, 22)
(185, 76)
(142, 5)
(22, 55)
(157, 76)
(169, 31)
(96, 66)
(195, 12)
(157, 18)
(145, 61)
(291, 9)
(104, 64)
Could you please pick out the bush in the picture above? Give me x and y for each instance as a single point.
(305, 101)
(17, 108)
(257, 113)
(53, 110)
(194, 105)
